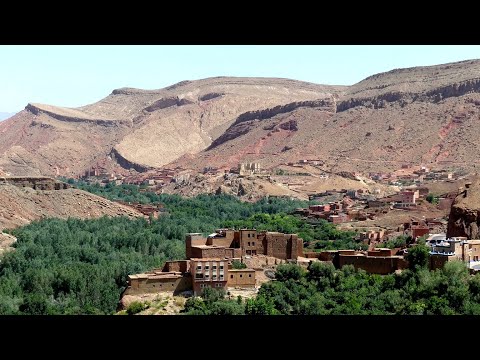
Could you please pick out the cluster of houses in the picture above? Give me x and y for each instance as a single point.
(443, 250)
(209, 261)
(414, 176)
(335, 212)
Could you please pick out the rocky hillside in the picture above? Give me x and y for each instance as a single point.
(422, 83)
(20, 206)
(141, 129)
(422, 115)
(464, 219)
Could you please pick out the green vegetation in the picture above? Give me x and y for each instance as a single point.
(432, 199)
(213, 302)
(81, 266)
(318, 234)
(324, 290)
(400, 241)
(236, 264)
(417, 257)
(135, 307)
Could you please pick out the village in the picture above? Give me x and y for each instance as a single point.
(212, 261)
(377, 196)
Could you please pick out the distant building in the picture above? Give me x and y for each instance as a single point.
(246, 169)
(455, 248)
(376, 261)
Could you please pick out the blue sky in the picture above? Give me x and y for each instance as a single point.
(78, 75)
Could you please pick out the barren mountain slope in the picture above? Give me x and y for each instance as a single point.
(19, 206)
(141, 128)
(425, 115)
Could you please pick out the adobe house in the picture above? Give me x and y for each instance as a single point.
(227, 243)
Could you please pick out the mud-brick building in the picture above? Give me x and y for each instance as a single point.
(208, 272)
(190, 275)
(230, 244)
(376, 261)
(173, 277)
(244, 278)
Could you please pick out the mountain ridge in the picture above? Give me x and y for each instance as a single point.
(374, 125)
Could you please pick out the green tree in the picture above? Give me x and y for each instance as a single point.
(236, 264)
(289, 271)
(432, 199)
(417, 257)
(135, 307)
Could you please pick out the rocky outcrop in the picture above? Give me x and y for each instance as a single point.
(464, 219)
(245, 121)
(75, 116)
(418, 84)
(210, 96)
(403, 98)
(35, 182)
(326, 104)
(168, 102)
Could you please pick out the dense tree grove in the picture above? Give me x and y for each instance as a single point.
(324, 290)
(80, 266)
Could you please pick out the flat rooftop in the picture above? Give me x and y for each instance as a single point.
(156, 275)
(208, 247)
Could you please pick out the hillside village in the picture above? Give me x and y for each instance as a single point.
(210, 260)
(314, 192)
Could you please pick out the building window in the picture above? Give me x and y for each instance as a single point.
(241, 275)
(248, 235)
(214, 267)
(249, 243)
(207, 276)
(221, 267)
(249, 275)
(231, 276)
(253, 243)
(221, 277)
(214, 277)
(207, 267)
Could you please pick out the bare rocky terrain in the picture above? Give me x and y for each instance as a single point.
(141, 129)
(422, 115)
(19, 206)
